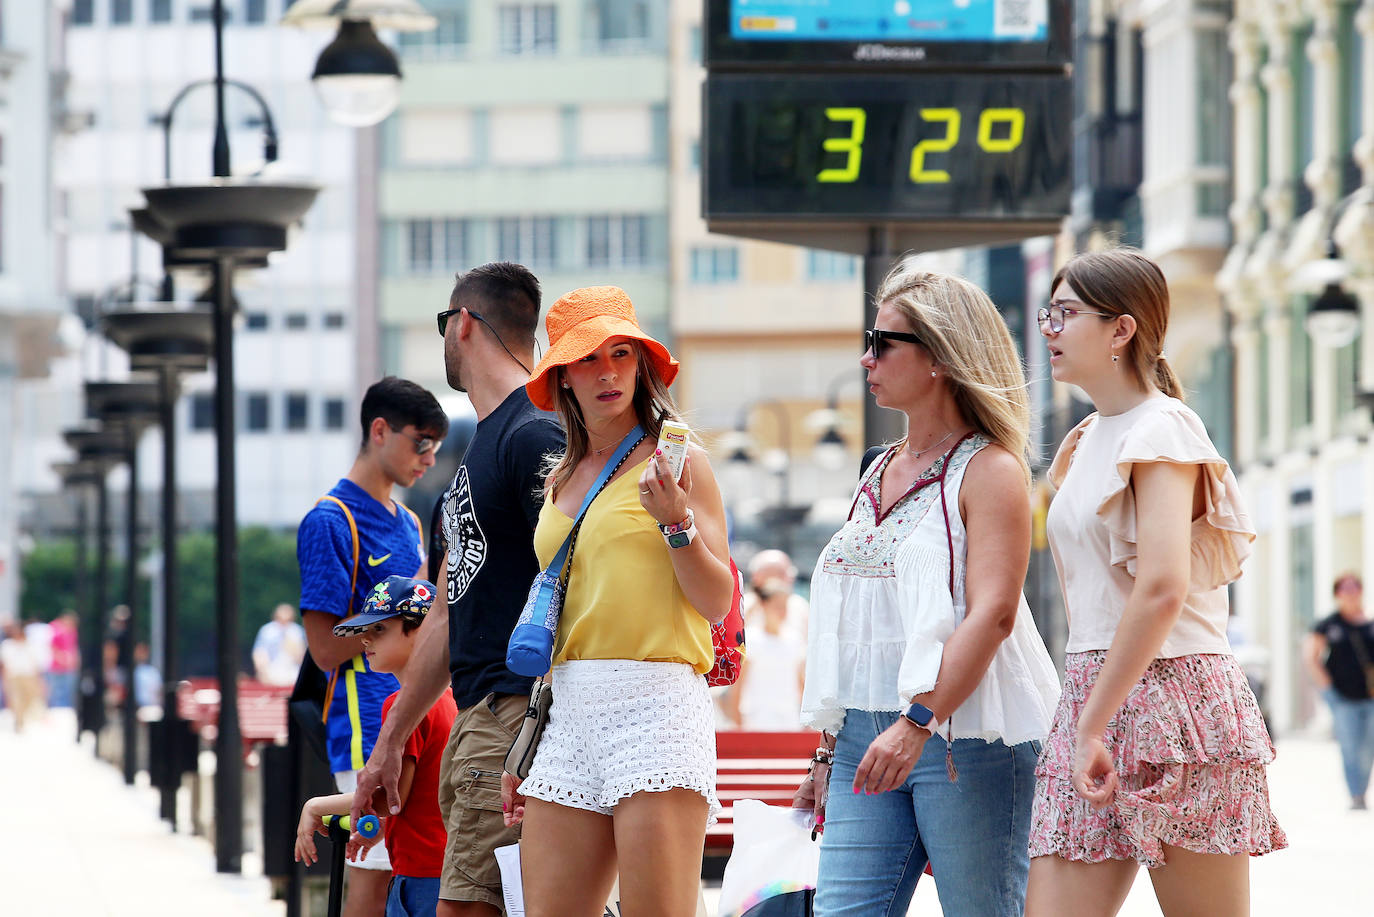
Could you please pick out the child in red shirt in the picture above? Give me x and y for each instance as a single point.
(415, 836)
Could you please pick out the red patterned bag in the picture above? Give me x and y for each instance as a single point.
(727, 638)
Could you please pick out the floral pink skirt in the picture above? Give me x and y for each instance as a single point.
(1190, 749)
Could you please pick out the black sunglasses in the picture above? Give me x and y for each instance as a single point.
(876, 340)
(444, 316)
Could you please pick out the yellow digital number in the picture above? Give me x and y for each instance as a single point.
(1015, 118)
(919, 173)
(852, 146)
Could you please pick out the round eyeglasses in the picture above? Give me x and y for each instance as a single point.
(1052, 319)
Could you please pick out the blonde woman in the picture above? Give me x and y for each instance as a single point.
(1158, 752)
(924, 668)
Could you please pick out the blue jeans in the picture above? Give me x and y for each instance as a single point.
(1352, 721)
(973, 832)
(410, 897)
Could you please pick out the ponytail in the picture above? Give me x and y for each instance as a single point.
(1165, 379)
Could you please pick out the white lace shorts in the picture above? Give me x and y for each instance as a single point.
(619, 727)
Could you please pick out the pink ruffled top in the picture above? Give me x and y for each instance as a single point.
(1092, 524)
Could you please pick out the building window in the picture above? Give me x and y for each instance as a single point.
(297, 411)
(447, 39)
(255, 321)
(617, 241)
(715, 265)
(333, 414)
(203, 411)
(1214, 107)
(297, 321)
(83, 12)
(121, 12)
(207, 14)
(830, 266)
(258, 412)
(529, 28)
(435, 245)
(160, 11)
(527, 240)
(616, 25)
(255, 11)
(333, 320)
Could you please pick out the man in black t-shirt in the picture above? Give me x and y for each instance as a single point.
(489, 513)
(1340, 658)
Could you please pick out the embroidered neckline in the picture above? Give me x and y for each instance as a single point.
(873, 486)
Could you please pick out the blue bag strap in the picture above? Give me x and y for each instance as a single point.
(555, 567)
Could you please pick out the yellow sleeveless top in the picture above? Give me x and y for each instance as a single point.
(623, 599)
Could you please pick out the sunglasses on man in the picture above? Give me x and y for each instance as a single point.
(447, 314)
(423, 444)
(876, 340)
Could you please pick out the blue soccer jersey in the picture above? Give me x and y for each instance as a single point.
(387, 544)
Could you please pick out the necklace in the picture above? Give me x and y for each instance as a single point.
(604, 448)
(914, 453)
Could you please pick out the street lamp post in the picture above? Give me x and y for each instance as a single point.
(133, 406)
(167, 343)
(226, 222)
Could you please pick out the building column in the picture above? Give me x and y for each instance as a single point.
(1275, 323)
(1278, 83)
(1323, 173)
(1244, 95)
(1245, 336)
(1364, 147)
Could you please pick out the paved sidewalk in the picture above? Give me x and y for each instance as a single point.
(77, 841)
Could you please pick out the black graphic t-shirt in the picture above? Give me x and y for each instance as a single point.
(490, 511)
(1346, 644)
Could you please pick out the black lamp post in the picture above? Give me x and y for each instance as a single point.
(166, 344)
(225, 223)
(76, 477)
(133, 406)
(103, 448)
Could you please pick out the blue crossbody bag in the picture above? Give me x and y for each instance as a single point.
(530, 651)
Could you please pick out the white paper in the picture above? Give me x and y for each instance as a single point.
(512, 889)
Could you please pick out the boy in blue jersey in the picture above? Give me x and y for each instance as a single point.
(355, 537)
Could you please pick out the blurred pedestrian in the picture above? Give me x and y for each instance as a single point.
(22, 676)
(767, 697)
(66, 660)
(485, 561)
(624, 776)
(147, 682)
(356, 536)
(279, 647)
(1339, 654)
(773, 564)
(923, 667)
(1158, 753)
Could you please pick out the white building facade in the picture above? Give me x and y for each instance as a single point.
(297, 332)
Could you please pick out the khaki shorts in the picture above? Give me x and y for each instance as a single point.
(470, 798)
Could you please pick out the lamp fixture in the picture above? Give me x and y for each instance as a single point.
(357, 78)
(1334, 317)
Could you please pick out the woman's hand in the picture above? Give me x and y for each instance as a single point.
(890, 757)
(512, 803)
(1094, 772)
(813, 794)
(661, 496)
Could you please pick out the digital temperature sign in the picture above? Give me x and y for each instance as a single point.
(875, 149)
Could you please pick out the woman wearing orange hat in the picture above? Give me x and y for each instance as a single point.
(625, 772)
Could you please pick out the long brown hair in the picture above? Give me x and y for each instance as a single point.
(964, 332)
(1122, 281)
(652, 406)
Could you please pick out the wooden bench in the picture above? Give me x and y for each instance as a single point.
(767, 766)
(262, 710)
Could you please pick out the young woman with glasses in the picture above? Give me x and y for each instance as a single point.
(924, 668)
(1158, 752)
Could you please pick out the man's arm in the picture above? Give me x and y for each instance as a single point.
(423, 682)
(328, 651)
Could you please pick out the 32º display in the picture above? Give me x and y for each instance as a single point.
(979, 146)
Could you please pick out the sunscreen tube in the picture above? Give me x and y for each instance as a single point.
(672, 441)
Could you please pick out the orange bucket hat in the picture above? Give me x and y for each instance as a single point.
(580, 322)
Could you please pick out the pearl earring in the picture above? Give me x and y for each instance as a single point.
(566, 385)
(933, 374)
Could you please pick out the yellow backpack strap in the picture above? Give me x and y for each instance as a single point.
(352, 587)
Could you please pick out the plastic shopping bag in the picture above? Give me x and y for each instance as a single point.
(772, 869)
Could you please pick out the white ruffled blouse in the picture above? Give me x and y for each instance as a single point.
(1092, 525)
(882, 609)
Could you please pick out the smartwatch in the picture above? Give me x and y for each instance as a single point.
(681, 538)
(921, 715)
